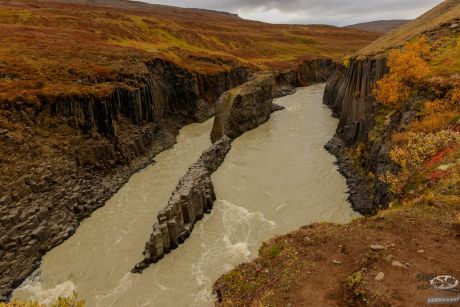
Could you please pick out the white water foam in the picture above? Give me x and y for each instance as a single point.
(109, 299)
(229, 247)
(35, 291)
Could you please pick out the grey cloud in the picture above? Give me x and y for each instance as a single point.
(339, 12)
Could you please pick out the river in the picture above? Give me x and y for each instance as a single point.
(275, 179)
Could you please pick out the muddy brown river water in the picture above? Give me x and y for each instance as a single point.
(276, 178)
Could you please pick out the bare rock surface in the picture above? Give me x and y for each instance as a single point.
(244, 107)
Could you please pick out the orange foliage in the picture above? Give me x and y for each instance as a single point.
(408, 69)
(63, 46)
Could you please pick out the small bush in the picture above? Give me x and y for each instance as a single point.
(408, 70)
(410, 156)
(346, 62)
(275, 250)
(354, 280)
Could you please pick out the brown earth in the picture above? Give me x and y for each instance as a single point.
(336, 265)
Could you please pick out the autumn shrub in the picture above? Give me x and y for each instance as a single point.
(409, 69)
(71, 301)
(410, 157)
(346, 61)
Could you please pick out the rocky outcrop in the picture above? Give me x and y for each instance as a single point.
(193, 197)
(244, 108)
(316, 71)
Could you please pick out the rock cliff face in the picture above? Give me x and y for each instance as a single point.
(307, 73)
(244, 108)
(106, 140)
(349, 94)
(193, 197)
(363, 125)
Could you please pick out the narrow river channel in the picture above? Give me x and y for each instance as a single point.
(275, 179)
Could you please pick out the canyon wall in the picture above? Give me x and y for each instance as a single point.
(364, 129)
(306, 73)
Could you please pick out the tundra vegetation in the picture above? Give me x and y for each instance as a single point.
(427, 151)
(53, 48)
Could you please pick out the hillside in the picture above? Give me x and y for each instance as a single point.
(381, 26)
(49, 48)
(442, 14)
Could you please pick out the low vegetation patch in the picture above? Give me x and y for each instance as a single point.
(427, 151)
(72, 301)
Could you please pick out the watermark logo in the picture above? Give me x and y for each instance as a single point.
(444, 283)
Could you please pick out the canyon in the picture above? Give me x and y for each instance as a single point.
(253, 203)
(134, 127)
(102, 127)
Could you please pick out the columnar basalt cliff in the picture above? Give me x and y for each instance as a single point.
(363, 124)
(349, 94)
(193, 197)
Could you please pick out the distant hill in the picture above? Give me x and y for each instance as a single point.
(446, 13)
(381, 26)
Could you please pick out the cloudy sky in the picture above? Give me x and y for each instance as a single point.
(337, 12)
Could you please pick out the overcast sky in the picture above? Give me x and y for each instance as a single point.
(336, 12)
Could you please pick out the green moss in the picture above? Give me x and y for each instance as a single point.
(274, 250)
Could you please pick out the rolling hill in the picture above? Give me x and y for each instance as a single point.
(53, 47)
(446, 14)
(381, 26)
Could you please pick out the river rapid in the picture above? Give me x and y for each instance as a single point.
(275, 179)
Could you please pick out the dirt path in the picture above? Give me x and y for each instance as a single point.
(337, 265)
